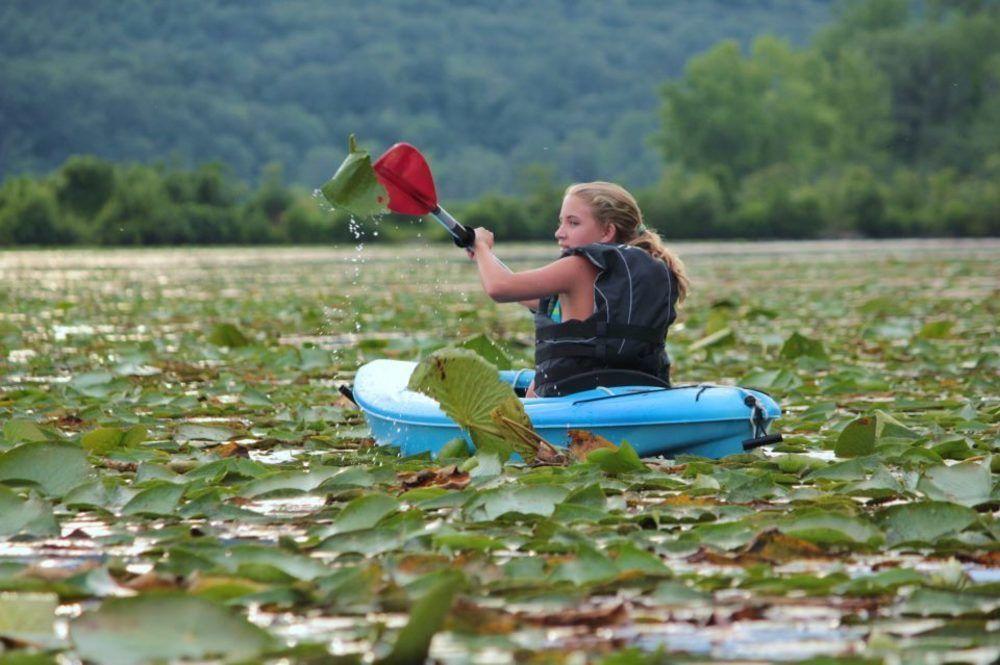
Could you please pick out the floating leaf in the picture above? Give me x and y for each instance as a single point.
(772, 379)
(679, 594)
(587, 567)
(618, 460)
(457, 448)
(426, 618)
(857, 439)
(362, 513)
(104, 440)
(938, 602)
(966, 483)
(226, 334)
(296, 481)
(159, 500)
(29, 618)
(18, 430)
(250, 559)
(354, 186)
(54, 467)
(191, 432)
(936, 329)
(526, 500)
(861, 435)
(924, 522)
(797, 345)
(824, 528)
(717, 338)
(31, 516)
(123, 631)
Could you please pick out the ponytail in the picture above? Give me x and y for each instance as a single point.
(653, 244)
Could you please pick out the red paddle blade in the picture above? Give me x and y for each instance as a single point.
(404, 173)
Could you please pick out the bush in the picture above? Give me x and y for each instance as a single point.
(29, 215)
(772, 204)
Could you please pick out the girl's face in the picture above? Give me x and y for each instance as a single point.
(577, 226)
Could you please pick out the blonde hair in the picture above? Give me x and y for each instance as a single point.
(613, 204)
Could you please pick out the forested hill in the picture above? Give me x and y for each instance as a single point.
(485, 86)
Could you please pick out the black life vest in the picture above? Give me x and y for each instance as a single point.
(635, 301)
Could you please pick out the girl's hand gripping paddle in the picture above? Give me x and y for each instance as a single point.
(407, 178)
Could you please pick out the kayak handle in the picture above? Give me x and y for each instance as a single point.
(757, 442)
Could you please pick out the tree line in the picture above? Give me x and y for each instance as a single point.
(484, 88)
(886, 124)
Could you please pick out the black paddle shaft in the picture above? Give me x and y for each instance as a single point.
(463, 235)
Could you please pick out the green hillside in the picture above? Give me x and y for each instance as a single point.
(485, 87)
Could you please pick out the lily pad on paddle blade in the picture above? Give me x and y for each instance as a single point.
(354, 187)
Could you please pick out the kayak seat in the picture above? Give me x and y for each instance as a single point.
(609, 378)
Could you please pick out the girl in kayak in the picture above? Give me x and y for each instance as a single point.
(603, 308)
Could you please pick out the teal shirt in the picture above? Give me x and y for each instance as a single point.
(556, 313)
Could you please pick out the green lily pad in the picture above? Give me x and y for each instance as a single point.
(616, 461)
(354, 186)
(824, 528)
(29, 618)
(54, 467)
(18, 430)
(103, 440)
(924, 522)
(967, 483)
(426, 618)
(226, 334)
(939, 602)
(489, 350)
(159, 500)
(123, 631)
(362, 513)
(798, 345)
(31, 516)
(469, 391)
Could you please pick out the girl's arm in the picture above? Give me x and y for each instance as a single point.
(562, 276)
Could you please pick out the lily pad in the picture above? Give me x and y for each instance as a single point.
(469, 390)
(924, 522)
(823, 528)
(31, 516)
(354, 186)
(54, 467)
(226, 334)
(123, 631)
(19, 430)
(103, 440)
(29, 618)
(967, 483)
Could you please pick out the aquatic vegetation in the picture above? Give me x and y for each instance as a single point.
(174, 451)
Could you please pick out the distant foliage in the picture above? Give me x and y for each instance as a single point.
(887, 124)
(485, 88)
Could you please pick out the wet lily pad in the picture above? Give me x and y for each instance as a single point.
(55, 468)
(131, 630)
(354, 186)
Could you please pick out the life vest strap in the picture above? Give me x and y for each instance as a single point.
(601, 351)
(600, 329)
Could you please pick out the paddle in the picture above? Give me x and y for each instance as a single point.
(407, 178)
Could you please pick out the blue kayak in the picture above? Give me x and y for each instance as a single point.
(706, 420)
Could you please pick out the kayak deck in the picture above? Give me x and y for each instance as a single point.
(706, 420)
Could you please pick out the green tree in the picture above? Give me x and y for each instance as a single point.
(29, 214)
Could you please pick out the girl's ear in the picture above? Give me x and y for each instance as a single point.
(609, 233)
